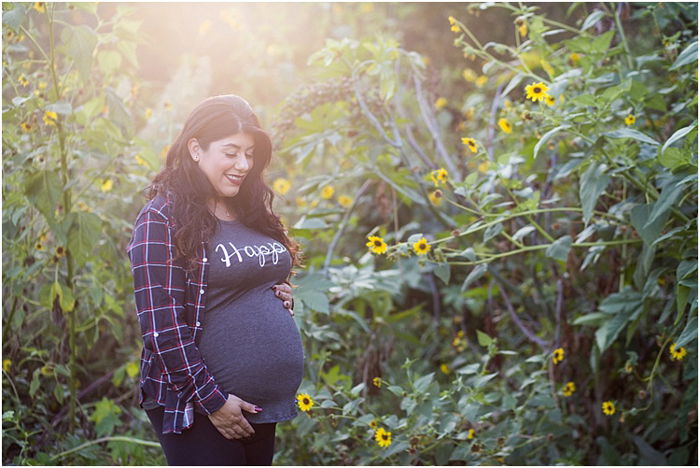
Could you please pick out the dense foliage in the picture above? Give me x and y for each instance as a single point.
(501, 268)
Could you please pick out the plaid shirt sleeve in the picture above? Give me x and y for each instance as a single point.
(159, 291)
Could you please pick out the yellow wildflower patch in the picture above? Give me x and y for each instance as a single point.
(327, 192)
(421, 247)
(558, 355)
(304, 401)
(106, 185)
(536, 91)
(569, 389)
(439, 176)
(677, 354)
(281, 185)
(630, 119)
(345, 201)
(377, 382)
(506, 127)
(376, 245)
(608, 408)
(382, 437)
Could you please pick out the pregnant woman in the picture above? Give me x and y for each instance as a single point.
(210, 262)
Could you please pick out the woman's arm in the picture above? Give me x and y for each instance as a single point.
(159, 291)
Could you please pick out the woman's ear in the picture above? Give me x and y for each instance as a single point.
(194, 149)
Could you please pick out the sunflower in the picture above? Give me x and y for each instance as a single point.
(444, 368)
(304, 401)
(484, 166)
(39, 6)
(574, 58)
(505, 125)
(471, 433)
(281, 185)
(60, 251)
(558, 355)
(439, 176)
(569, 389)
(373, 423)
(435, 197)
(27, 127)
(536, 91)
(608, 408)
(481, 81)
(630, 119)
(376, 245)
(50, 117)
(6, 363)
(677, 354)
(344, 201)
(550, 100)
(382, 437)
(106, 185)
(377, 382)
(421, 247)
(471, 143)
(440, 102)
(327, 192)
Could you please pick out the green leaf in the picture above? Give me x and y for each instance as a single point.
(689, 55)
(421, 384)
(662, 206)
(593, 184)
(559, 249)
(602, 42)
(15, 17)
(79, 43)
(442, 271)
(132, 369)
(474, 275)
(592, 19)
(43, 189)
(677, 135)
(310, 223)
(492, 231)
(673, 158)
(689, 333)
(483, 338)
(648, 454)
(590, 319)
(639, 216)
(609, 332)
(84, 233)
(631, 133)
(546, 137)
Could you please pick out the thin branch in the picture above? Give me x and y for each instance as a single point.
(530, 336)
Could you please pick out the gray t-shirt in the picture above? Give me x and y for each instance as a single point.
(249, 341)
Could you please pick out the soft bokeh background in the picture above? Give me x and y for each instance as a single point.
(553, 319)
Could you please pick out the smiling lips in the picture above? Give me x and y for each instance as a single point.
(235, 179)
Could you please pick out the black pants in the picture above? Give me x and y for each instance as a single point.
(203, 444)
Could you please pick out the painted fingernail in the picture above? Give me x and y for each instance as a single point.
(258, 409)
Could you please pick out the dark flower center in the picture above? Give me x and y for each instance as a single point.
(306, 401)
(537, 89)
(378, 243)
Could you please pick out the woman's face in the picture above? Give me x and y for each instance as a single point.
(226, 162)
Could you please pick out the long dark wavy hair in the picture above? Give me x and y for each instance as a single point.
(189, 188)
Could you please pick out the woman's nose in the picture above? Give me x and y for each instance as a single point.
(242, 163)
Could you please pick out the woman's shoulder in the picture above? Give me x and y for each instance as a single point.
(159, 204)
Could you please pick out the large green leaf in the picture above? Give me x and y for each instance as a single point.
(662, 207)
(83, 234)
(559, 250)
(79, 42)
(546, 137)
(639, 216)
(593, 183)
(689, 55)
(631, 133)
(43, 190)
(677, 135)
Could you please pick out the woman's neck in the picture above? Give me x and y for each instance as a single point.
(219, 208)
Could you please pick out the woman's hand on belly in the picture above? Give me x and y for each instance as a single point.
(229, 420)
(284, 292)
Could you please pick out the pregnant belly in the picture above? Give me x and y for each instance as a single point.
(253, 348)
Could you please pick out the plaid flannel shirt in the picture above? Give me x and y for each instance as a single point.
(168, 304)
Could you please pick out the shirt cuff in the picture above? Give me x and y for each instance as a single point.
(214, 401)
